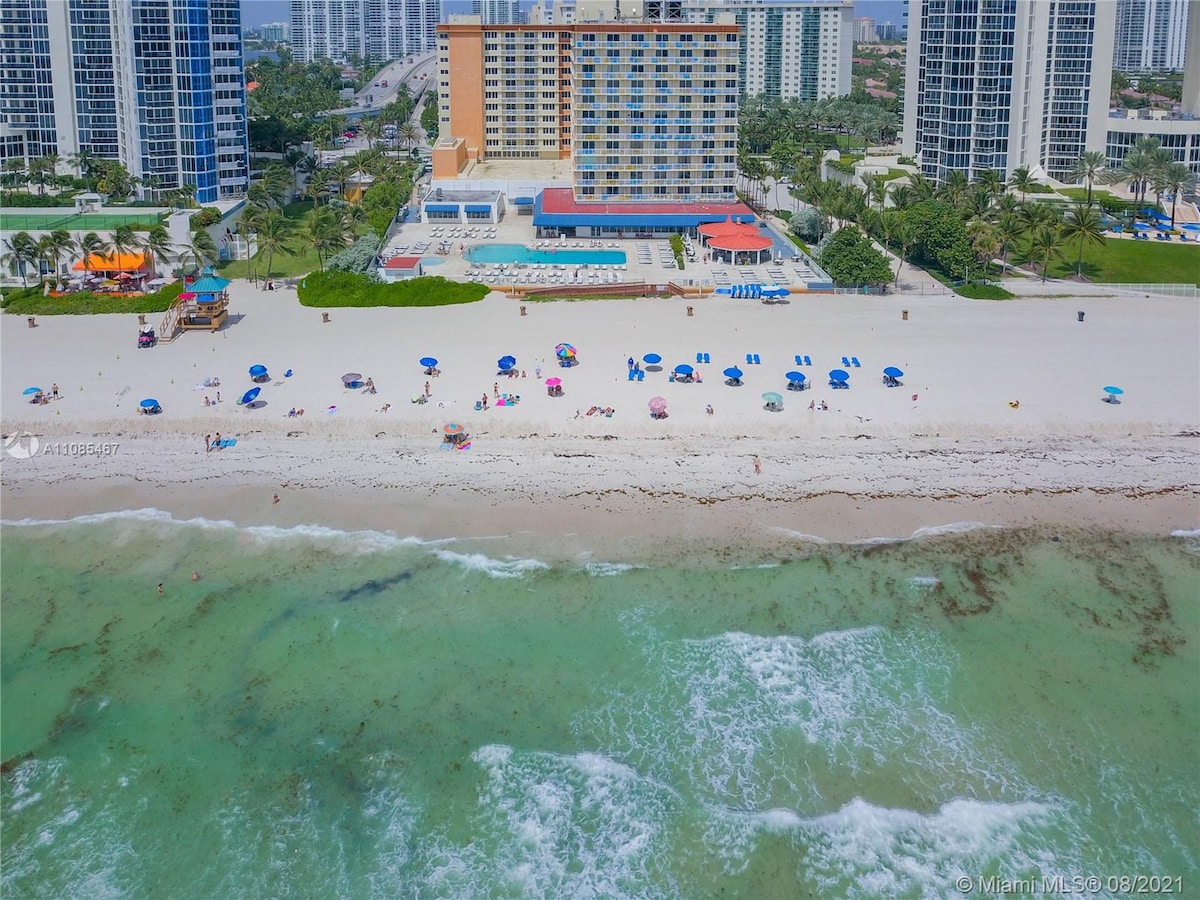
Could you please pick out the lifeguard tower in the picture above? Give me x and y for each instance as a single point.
(204, 305)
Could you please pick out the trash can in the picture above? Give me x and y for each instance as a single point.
(904, 315)
(690, 311)
(324, 317)
(31, 322)
(1079, 315)
(522, 310)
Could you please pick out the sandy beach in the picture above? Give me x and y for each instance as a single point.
(945, 447)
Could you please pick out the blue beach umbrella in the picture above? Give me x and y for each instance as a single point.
(893, 372)
(839, 375)
(505, 363)
(258, 371)
(151, 403)
(724, 290)
(733, 372)
(1141, 226)
(250, 395)
(427, 362)
(652, 359)
(797, 377)
(1113, 391)
(32, 390)
(772, 397)
(683, 369)
(1190, 227)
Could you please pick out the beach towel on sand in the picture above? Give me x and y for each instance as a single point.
(228, 442)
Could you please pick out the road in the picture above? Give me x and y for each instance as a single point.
(417, 76)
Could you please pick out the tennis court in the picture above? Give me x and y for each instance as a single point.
(105, 221)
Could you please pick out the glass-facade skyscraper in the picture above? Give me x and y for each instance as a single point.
(155, 84)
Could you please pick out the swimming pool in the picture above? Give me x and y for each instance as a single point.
(519, 253)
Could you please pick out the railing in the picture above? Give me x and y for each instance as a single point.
(1190, 291)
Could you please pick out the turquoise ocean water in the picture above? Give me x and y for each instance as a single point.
(331, 714)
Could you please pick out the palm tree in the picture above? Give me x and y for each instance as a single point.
(15, 173)
(124, 240)
(1175, 179)
(1137, 168)
(902, 197)
(991, 181)
(1084, 224)
(922, 187)
(58, 244)
(1088, 168)
(985, 241)
(324, 231)
(273, 237)
(81, 161)
(202, 249)
(20, 250)
(409, 134)
(1044, 246)
(954, 189)
(1009, 229)
(1022, 180)
(158, 246)
(93, 247)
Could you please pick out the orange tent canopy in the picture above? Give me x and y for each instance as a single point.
(118, 262)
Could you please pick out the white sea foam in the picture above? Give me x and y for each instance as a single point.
(951, 528)
(580, 825)
(607, 569)
(509, 567)
(925, 581)
(799, 536)
(1190, 537)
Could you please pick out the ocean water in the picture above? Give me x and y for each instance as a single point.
(331, 714)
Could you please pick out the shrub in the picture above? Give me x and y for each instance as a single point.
(979, 291)
(677, 248)
(784, 214)
(30, 302)
(807, 223)
(357, 257)
(209, 215)
(22, 200)
(851, 259)
(350, 289)
(906, 161)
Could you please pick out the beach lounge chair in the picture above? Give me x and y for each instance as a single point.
(845, 362)
(757, 360)
(799, 360)
(854, 362)
(808, 360)
(749, 359)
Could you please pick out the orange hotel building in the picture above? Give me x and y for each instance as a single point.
(645, 111)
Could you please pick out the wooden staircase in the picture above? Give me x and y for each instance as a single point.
(170, 329)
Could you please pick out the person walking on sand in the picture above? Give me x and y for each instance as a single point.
(217, 443)
(218, 396)
(274, 498)
(208, 443)
(54, 390)
(708, 409)
(537, 371)
(427, 392)
(757, 466)
(496, 390)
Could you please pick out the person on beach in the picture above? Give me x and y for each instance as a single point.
(195, 576)
(757, 466)
(537, 371)
(385, 407)
(708, 409)
(218, 396)
(485, 400)
(54, 390)
(207, 402)
(208, 443)
(217, 443)
(629, 362)
(496, 389)
(824, 406)
(812, 404)
(370, 385)
(522, 373)
(160, 584)
(274, 498)
(427, 393)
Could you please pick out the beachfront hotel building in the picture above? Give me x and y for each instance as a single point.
(643, 110)
(1150, 35)
(156, 84)
(370, 29)
(1000, 84)
(791, 49)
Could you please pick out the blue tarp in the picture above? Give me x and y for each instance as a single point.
(442, 207)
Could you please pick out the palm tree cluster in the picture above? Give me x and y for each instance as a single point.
(47, 254)
(763, 121)
(1148, 166)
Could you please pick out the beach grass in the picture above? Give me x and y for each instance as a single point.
(1124, 261)
(31, 302)
(331, 290)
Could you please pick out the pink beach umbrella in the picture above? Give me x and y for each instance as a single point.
(553, 382)
(658, 404)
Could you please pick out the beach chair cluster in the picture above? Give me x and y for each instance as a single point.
(502, 400)
(547, 273)
(703, 358)
(721, 278)
(803, 360)
(462, 231)
(744, 291)
(848, 361)
(803, 272)
(636, 375)
(753, 359)
(778, 275)
(644, 256)
(666, 256)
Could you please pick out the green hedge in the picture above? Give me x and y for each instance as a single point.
(31, 302)
(983, 292)
(22, 200)
(349, 289)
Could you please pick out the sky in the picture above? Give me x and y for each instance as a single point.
(256, 12)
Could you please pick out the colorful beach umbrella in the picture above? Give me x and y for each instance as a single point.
(250, 396)
(733, 372)
(772, 397)
(553, 382)
(505, 363)
(1113, 391)
(657, 404)
(652, 359)
(428, 362)
(839, 375)
(149, 403)
(893, 372)
(258, 371)
(561, 348)
(187, 295)
(684, 369)
(797, 377)
(453, 428)
(32, 390)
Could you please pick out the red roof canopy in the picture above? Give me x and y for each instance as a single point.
(728, 228)
(740, 242)
(403, 262)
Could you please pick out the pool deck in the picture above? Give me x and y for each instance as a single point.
(644, 259)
